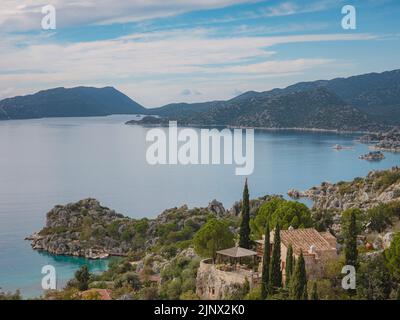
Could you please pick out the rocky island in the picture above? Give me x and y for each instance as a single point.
(148, 120)
(372, 156)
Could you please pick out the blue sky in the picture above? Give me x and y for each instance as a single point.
(159, 51)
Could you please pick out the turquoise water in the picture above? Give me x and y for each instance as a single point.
(55, 161)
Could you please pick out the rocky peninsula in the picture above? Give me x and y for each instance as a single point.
(88, 229)
(364, 193)
(384, 141)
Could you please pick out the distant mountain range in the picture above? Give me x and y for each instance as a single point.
(74, 102)
(368, 102)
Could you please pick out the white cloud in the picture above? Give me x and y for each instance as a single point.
(162, 62)
(291, 7)
(279, 67)
(22, 15)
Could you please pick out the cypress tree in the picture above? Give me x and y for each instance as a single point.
(289, 265)
(314, 293)
(82, 277)
(275, 277)
(266, 264)
(298, 285)
(351, 242)
(244, 240)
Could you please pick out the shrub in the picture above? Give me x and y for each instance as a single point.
(387, 178)
(392, 257)
(380, 217)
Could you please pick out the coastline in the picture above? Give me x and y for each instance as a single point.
(296, 129)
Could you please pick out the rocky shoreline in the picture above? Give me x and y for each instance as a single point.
(383, 141)
(364, 193)
(88, 229)
(76, 230)
(153, 121)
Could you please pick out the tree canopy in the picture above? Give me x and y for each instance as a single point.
(213, 236)
(286, 213)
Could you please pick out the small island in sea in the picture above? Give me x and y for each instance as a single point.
(372, 156)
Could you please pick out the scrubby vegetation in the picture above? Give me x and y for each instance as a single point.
(10, 296)
(163, 255)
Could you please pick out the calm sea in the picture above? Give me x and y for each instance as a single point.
(56, 161)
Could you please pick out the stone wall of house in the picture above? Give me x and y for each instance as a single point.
(214, 284)
(315, 263)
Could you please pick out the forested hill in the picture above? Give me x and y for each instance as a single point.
(365, 102)
(313, 109)
(74, 102)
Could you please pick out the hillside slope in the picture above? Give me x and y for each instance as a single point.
(74, 102)
(313, 109)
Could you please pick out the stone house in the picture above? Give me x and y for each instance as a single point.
(318, 249)
(218, 279)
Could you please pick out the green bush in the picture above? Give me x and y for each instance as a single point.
(380, 217)
(392, 257)
(387, 178)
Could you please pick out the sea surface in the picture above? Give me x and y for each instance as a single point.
(56, 161)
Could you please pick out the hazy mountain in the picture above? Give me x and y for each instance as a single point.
(316, 108)
(74, 102)
(364, 102)
(377, 94)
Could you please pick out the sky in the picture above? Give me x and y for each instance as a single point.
(164, 51)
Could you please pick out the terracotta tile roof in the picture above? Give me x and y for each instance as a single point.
(237, 252)
(329, 237)
(303, 239)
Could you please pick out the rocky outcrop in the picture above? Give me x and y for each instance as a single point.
(255, 204)
(90, 230)
(364, 193)
(217, 207)
(82, 229)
